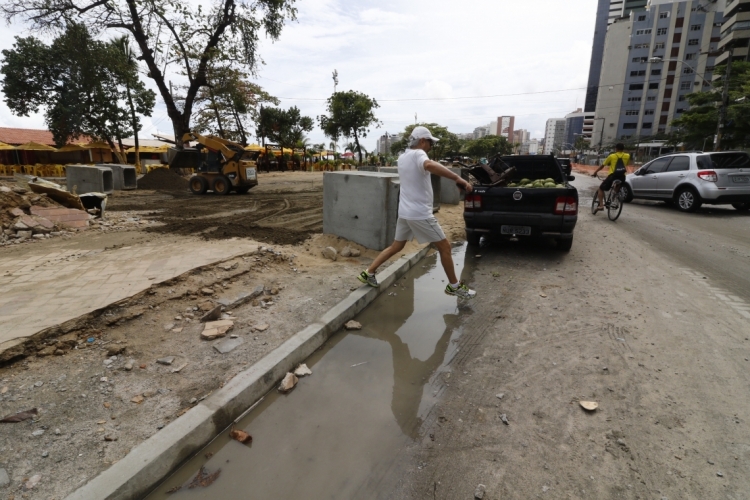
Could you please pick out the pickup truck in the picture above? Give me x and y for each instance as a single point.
(536, 202)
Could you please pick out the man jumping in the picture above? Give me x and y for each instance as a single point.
(415, 217)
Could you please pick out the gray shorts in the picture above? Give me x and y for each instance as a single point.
(425, 230)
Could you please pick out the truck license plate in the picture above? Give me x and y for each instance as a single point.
(740, 179)
(250, 173)
(517, 230)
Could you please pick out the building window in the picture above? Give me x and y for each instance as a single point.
(646, 125)
(651, 98)
(663, 15)
(641, 45)
(636, 86)
(643, 32)
(634, 99)
(693, 41)
(655, 72)
(627, 126)
(686, 86)
(681, 98)
(647, 112)
(687, 71)
(709, 69)
(690, 57)
(652, 86)
(680, 110)
(638, 73)
(640, 59)
(695, 27)
(662, 31)
(631, 112)
(659, 45)
(641, 18)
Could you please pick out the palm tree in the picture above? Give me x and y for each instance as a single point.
(122, 46)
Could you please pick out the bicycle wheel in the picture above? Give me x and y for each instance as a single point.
(615, 207)
(594, 204)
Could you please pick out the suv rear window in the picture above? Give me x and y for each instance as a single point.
(724, 161)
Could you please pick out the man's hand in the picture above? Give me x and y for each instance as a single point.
(594, 174)
(465, 185)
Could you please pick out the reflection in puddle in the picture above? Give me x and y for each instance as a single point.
(338, 434)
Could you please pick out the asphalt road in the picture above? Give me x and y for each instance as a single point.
(714, 241)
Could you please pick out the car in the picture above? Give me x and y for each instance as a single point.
(690, 180)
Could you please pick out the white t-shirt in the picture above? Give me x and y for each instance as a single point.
(415, 198)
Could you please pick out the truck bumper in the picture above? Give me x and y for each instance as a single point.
(542, 225)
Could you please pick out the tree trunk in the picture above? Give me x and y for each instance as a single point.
(240, 128)
(134, 119)
(216, 112)
(359, 148)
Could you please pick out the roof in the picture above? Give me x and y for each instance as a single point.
(18, 136)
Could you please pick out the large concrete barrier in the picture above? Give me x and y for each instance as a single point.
(89, 179)
(435, 180)
(361, 207)
(449, 192)
(123, 176)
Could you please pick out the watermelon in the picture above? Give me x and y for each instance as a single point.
(525, 181)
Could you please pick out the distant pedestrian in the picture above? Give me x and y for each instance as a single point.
(415, 217)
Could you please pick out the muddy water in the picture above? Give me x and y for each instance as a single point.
(341, 432)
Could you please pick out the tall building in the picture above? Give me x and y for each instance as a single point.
(735, 32)
(623, 8)
(383, 146)
(520, 136)
(553, 135)
(597, 51)
(652, 60)
(530, 147)
(577, 123)
(505, 126)
(480, 132)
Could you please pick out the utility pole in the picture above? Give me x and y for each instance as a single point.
(335, 80)
(724, 102)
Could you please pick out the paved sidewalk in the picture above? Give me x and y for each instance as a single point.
(44, 290)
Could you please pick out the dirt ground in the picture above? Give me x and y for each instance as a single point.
(100, 389)
(613, 322)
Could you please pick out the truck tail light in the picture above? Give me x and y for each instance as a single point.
(708, 175)
(566, 205)
(473, 203)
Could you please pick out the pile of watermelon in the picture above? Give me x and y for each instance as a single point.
(539, 183)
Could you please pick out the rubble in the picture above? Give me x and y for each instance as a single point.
(353, 325)
(330, 253)
(302, 370)
(290, 380)
(216, 329)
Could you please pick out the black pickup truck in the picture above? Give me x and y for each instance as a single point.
(536, 201)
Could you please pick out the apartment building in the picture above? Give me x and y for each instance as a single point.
(553, 135)
(735, 32)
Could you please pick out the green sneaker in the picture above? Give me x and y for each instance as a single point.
(368, 279)
(461, 291)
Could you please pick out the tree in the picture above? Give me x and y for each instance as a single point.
(699, 122)
(129, 72)
(488, 146)
(85, 86)
(283, 127)
(448, 142)
(350, 114)
(184, 35)
(229, 104)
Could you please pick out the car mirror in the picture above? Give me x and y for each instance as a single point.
(571, 177)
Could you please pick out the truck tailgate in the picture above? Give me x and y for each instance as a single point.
(517, 200)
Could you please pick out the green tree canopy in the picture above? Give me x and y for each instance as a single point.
(488, 146)
(178, 37)
(84, 86)
(350, 115)
(285, 127)
(699, 122)
(448, 143)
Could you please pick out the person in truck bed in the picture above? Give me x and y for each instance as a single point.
(617, 162)
(415, 217)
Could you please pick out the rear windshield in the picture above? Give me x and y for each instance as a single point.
(718, 161)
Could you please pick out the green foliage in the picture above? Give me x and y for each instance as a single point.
(350, 114)
(283, 127)
(448, 143)
(488, 146)
(81, 84)
(700, 122)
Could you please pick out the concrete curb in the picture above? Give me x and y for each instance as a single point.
(151, 461)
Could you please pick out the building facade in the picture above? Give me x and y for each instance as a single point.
(652, 60)
(520, 136)
(505, 127)
(577, 123)
(553, 135)
(623, 8)
(735, 32)
(383, 146)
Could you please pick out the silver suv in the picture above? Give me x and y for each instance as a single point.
(692, 179)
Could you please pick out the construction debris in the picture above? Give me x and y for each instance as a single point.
(241, 436)
(216, 329)
(290, 380)
(20, 416)
(302, 370)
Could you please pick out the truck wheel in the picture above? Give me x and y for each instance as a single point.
(472, 238)
(222, 185)
(198, 184)
(742, 207)
(564, 244)
(687, 200)
(242, 189)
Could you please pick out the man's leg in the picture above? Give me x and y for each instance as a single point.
(386, 254)
(600, 194)
(446, 259)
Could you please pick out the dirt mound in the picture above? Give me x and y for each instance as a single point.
(163, 179)
(213, 229)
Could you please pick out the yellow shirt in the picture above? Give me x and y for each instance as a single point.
(612, 161)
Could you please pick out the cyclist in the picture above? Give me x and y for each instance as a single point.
(616, 162)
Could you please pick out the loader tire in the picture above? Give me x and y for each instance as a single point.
(198, 184)
(222, 185)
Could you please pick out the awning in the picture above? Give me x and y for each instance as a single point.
(253, 147)
(6, 147)
(149, 149)
(97, 145)
(35, 146)
(72, 147)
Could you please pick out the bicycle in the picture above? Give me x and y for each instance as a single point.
(613, 201)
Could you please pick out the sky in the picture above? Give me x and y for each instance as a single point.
(460, 64)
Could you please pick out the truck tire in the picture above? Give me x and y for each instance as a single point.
(472, 238)
(221, 185)
(564, 244)
(687, 200)
(198, 184)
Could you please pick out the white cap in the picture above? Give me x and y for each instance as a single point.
(422, 133)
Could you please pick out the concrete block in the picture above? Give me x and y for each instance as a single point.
(124, 176)
(449, 192)
(88, 179)
(435, 180)
(361, 207)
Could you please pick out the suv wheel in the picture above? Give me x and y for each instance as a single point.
(742, 207)
(687, 200)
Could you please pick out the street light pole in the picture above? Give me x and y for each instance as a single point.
(724, 102)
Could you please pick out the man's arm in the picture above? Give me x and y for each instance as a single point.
(434, 167)
(604, 164)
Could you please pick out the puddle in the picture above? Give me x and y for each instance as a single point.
(340, 433)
